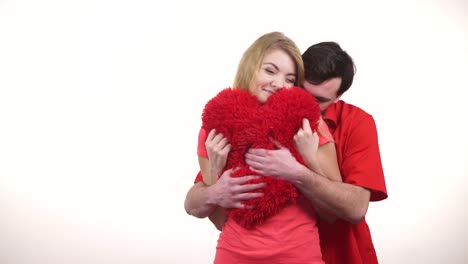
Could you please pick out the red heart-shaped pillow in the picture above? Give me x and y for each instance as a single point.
(247, 123)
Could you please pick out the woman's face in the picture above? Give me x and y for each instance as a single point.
(278, 70)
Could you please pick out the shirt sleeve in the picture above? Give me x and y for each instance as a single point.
(199, 177)
(201, 149)
(323, 132)
(362, 164)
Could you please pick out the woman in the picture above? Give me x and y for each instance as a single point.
(271, 63)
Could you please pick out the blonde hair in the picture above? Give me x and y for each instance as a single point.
(252, 59)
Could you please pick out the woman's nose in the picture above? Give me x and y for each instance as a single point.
(277, 84)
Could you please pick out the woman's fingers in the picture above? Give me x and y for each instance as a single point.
(306, 125)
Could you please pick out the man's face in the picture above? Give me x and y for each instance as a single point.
(325, 93)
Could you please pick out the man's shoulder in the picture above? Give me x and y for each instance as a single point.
(349, 112)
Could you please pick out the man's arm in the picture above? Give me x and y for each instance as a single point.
(362, 172)
(199, 201)
(361, 163)
(322, 160)
(227, 192)
(346, 201)
(211, 196)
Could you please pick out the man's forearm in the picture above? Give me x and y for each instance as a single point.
(346, 201)
(199, 202)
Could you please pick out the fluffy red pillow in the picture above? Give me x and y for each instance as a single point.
(247, 123)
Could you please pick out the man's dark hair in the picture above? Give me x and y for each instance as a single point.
(326, 60)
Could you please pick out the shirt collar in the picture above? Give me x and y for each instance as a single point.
(330, 116)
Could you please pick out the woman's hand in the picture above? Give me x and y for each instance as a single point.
(307, 142)
(218, 149)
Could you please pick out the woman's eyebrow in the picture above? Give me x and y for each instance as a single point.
(272, 64)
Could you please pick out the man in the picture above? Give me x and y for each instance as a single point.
(329, 72)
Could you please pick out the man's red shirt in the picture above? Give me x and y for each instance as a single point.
(359, 160)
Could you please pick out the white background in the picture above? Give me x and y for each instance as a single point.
(100, 105)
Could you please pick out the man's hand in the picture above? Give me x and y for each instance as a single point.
(276, 163)
(229, 192)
